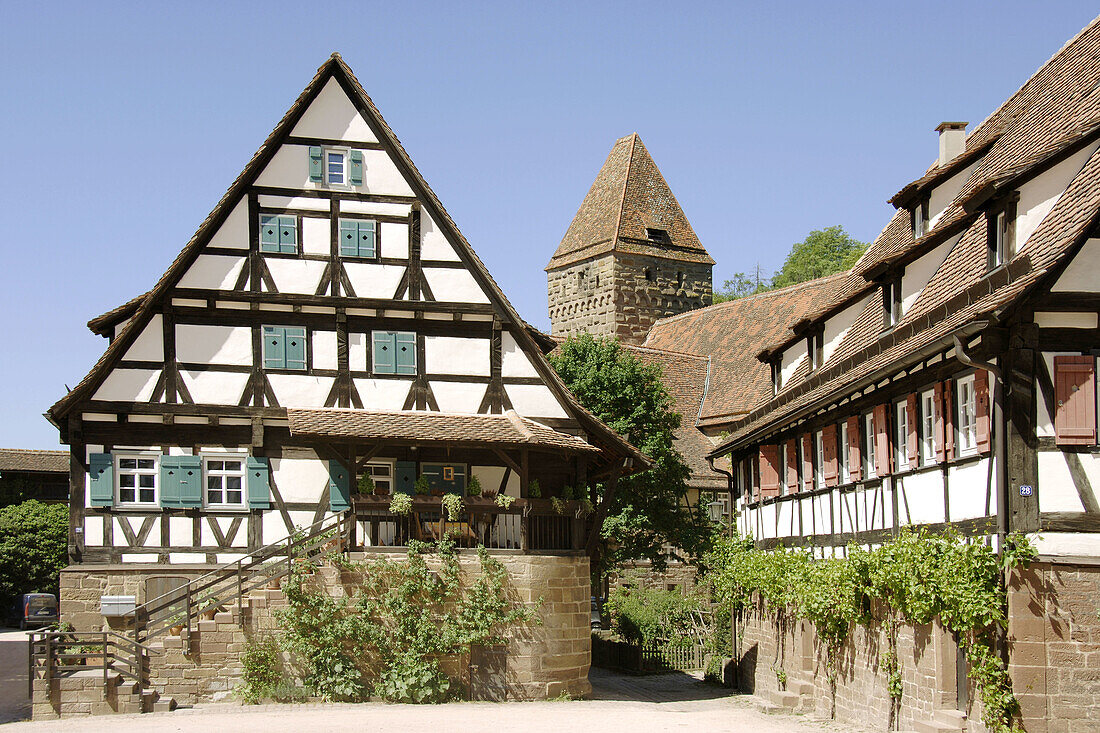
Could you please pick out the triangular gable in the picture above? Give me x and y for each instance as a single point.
(332, 77)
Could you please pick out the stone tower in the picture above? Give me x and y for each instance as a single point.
(629, 257)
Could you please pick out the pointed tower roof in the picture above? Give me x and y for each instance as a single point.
(626, 210)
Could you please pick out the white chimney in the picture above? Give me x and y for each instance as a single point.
(952, 140)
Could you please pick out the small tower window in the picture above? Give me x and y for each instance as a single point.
(680, 279)
(660, 236)
(649, 274)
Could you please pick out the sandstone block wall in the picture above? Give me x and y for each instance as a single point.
(540, 661)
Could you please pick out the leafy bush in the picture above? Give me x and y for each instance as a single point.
(366, 484)
(414, 679)
(261, 672)
(33, 549)
(651, 615)
(534, 489)
(423, 486)
(401, 504)
(505, 501)
(452, 506)
(473, 486)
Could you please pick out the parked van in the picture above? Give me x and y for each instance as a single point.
(37, 609)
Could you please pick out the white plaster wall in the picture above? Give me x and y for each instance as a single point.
(383, 394)
(454, 286)
(128, 385)
(784, 512)
(534, 400)
(300, 390)
(212, 272)
(357, 352)
(1080, 276)
(458, 396)
(767, 520)
(316, 236)
(373, 281)
(942, 195)
(293, 202)
(792, 358)
(288, 168)
(1059, 319)
(806, 507)
(514, 363)
(179, 531)
(490, 477)
(1067, 544)
(93, 531)
(450, 355)
(1057, 492)
(200, 344)
(381, 176)
(324, 349)
(918, 273)
(214, 388)
(300, 475)
(295, 276)
(233, 232)
(149, 345)
(968, 487)
(823, 514)
(924, 495)
(433, 244)
(332, 115)
(142, 557)
(394, 240)
(1039, 195)
(836, 328)
(151, 540)
(372, 207)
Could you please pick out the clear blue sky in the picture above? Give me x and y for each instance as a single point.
(124, 123)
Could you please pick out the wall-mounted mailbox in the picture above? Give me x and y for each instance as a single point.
(117, 605)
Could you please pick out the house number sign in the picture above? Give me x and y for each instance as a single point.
(1026, 490)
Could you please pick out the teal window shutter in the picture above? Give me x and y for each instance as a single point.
(259, 483)
(366, 239)
(269, 234)
(404, 477)
(274, 347)
(406, 353)
(170, 481)
(349, 233)
(189, 482)
(288, 234)
(355, 175)
(101, 471)
(315, 168)
(434, 473)
(339, 487)
(384, 349)
(295, 341)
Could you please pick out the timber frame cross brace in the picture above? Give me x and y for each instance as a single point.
(604, 507)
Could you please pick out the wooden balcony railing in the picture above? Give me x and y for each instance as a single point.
(529, 525)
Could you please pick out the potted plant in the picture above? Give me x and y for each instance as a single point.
(401, 504)
(175, 623)
(366, 484)
(452, 506)
(214, 605)
(423, 486)
(504, 501)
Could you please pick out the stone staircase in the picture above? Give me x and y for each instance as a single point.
(943, 721)
(80, 693)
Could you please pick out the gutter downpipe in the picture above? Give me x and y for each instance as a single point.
(996, 420)
(735, 641)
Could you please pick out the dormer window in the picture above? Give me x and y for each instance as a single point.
(815, 350)
(1002, 234)
(919, 216)
(659, 236)
(777, 376)
(891, 303)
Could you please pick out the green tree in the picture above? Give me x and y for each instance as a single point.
(649, 509)
(823, 252)
(741, 286)
(33, 549)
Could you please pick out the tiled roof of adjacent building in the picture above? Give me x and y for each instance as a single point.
(629, 197)
(1055, 114)
(685, 376)
(731, 334)
(34, 461)
(508, 429)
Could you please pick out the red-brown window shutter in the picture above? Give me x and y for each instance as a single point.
(828, 450)
(981, 409)
(911, 425)
(769, 471)
(807, 461)
(882, 441)
(792, 464)
(1075, 400)
(938, 422)
(949, 419)
(855, 463)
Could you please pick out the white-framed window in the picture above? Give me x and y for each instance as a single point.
(901, 436)
(336, 167)
(815, 350)
(868, 452)
(136, 479)
(967, 422)
(783, 486)
(842, 459)
(927, 428)
(891, 303)
(819, 461)
(920, 219)
(224, 481)
(381, 473)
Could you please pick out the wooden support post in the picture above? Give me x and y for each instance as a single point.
(602, 510)
(1022, 445)
(524, 473)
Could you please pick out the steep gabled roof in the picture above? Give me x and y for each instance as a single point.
(731, 334)
(1055, 114)
(628, 197)
(34, 461)
(335, 68)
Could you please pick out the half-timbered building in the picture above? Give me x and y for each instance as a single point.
(948, 380)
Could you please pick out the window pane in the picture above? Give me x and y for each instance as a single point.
(127, 463)
(146, 480)
(213, 482)
(146, 463)
(233, 497)
(213, 497)
(126, 480)
(126, 495)
(233, 482)
(214, 465)
(146, 495)
(232, 465)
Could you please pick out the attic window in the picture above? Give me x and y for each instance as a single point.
(680, 279)
(649, 274)
(919, 216)
(815, 350)
(1002, 234)
(891, 303)
(660, 236)
(777, 376)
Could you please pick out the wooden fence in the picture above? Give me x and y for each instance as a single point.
(635, 659)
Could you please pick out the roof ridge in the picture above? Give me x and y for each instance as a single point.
(634, 347)
(517, 421)
(626, 182)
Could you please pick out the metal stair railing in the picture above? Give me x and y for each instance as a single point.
(230, 582)
(53, 652)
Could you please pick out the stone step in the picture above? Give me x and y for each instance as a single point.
(164, 705)
(936, 726)
(955, 717)
(800, 687)
(766, 707)
(782, 698)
